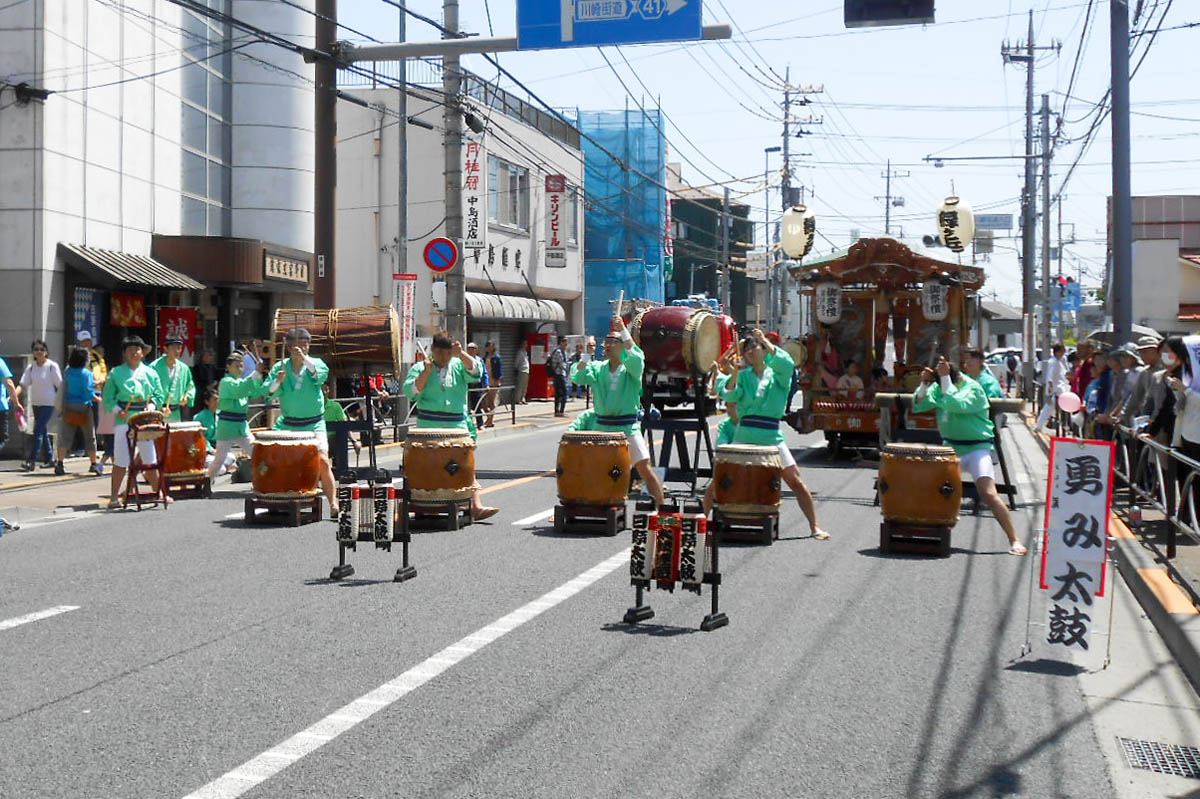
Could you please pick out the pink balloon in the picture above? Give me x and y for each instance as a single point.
(1070, 402)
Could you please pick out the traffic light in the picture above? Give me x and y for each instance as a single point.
(863, 13)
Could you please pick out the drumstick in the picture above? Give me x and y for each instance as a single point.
(620, 303)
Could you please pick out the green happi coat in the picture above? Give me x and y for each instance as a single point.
(963, 414)
(727, 427)
(617, 395)
(991, 386)
(300, 396)
(180, 390)
(762, 401)
(444, 403)
(233, 402)
(209, 420)
(125, 385)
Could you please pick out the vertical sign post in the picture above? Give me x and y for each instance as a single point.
(474, 196)
(404, 296)
(556, 246)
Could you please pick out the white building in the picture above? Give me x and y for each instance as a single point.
(1166, 263)
(171, 164)
(510, 289)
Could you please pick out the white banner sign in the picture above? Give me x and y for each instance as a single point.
(475, 196)
(1076, 545)
(404, 297)
(556, 245)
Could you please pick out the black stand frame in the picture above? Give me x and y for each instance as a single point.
(674, 424)
(758, 528)
(606, 520)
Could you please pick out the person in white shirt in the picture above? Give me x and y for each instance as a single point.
(40, 383)
(1054, 378)
(850, 385)
(522, 385)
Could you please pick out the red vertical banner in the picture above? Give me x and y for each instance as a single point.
(181, 322)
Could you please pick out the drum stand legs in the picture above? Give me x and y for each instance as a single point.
(343, 569)
(385, 531)
(716, 619)
(640, 611)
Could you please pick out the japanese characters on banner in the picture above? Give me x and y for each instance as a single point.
(935, 300)
(669, 245)
(556, 246)
(1076, 545)
(829, 302)
(87, 312)
(475, 193)
(127, 310)
(181, 322)
(404, 297)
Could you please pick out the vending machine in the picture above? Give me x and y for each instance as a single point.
(541, 381)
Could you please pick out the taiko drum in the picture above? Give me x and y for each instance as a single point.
(439, 464)
(185, 449)
(747, 479)
(678, 341)
(593, 468)
(920, 484)
(147, 425)
(286, 463)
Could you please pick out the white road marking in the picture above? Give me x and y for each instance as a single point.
(537, 517)
(261, 768)
(17, 621)
(56, 519)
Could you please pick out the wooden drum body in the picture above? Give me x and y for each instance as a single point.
(747, 479)
(286, 464)
(186, 449)
(147, 425)
(593, 469)
(920, 484)
(678, 341)
(439, 464)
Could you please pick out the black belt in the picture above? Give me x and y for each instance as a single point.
(135, 406)
(958, 442)
(439, 416)
(229, 416)
(760, 422)
(617, 421)
(290, 421)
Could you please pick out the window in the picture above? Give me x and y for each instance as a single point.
(205, 133)
(508, 194)
(571, 216)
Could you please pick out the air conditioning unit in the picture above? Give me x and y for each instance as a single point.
(208, 305)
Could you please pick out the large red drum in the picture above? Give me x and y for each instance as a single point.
(679, 341)
(286, 464)
(185, 450)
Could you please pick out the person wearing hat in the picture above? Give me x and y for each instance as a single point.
(1054, 382)
(297, 381)
(1131, 372)
(131, 388)
(176, 379)
(1148, 353)
(233, 406)
(95, 358)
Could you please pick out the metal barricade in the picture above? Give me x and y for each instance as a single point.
(1146, 479)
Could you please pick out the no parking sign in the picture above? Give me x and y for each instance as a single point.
(441, 254)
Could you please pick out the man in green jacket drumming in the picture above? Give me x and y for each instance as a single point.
(760, 390)
(233, 405)
(131, 388)
(176, 379)
(439, 388)
(965, 422)
(616, 384)
(297, 381)
(976, 369)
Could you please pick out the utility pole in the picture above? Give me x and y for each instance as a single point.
(1122, 200)
(1047, 294)
(1061, 316)
(887, 196)
(726, 277)
(325, 162)
(452, 121)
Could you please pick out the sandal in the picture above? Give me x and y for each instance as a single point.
(485, 513)
(1018, 549)
(114, 504)
(820, 535)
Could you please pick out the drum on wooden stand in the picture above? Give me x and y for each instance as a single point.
(185, 450)
(747, 480)
(919, 484)
(439, 464)
(345, 336)
(678, 341)
(593, 468)
(147, 425)
(286, 464)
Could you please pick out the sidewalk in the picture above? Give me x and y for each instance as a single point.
(1171, 609)
(25, 496)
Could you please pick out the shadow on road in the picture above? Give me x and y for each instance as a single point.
(873, 552)
(1052, 668)
(656, 630)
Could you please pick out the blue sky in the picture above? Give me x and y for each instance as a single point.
(901, 93)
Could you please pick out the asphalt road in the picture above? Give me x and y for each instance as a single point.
(199, 644)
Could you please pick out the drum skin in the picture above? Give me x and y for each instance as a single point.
(919, 484)
(747, 479)
(286, 464)
(678, 341)
(147, 425)
(593, 469)
(186, 449)
(345, 336)
(439, 464)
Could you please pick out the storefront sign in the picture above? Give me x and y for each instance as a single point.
(668, 245)
(128, 310)
(404, 297)
(556, 246)
(475, 192)
(279, 267)
(1076, 543)
(181, 322)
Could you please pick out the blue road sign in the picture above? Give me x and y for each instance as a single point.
(993, 221)
(546, 24)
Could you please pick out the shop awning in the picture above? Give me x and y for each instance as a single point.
(113, 269)
(514, 309)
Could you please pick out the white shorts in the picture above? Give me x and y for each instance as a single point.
(121, 449)
(638, 449)
(785, 455)
(977, 464)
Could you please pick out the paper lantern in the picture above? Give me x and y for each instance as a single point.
(829, 302)
(956, 223)
(935, 300)
(799, 231)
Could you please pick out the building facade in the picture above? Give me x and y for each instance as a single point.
(166, 141)
(1166, 263)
